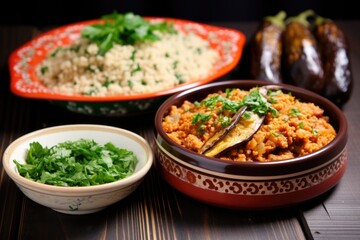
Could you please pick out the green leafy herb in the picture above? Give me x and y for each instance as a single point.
(77, 163)
(130, 83)
(91, 92)
(200, 118)
(133, 53)
(228, 92)
(44, 69)
(124, 29)
(55, 52)
(275, 134)
(257, 103)
(179, 77)
(136, 69)
(315, 132)
(224, 120)
(295, 112)
(246, 115)
(175, 63)
(107, 83)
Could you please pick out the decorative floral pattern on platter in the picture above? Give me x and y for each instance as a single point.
(258, 187)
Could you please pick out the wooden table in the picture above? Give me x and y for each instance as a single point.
(156, 210)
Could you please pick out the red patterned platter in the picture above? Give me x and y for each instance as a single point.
(252, 185)
(24, 81)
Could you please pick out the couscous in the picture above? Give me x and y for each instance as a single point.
(128, 69)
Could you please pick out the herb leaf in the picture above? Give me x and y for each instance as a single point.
(257, 103)
(77, 163)
(124, 29)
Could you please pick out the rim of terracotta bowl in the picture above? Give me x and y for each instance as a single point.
(325, 155)
(78, 190)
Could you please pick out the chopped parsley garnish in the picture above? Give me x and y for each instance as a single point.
(315, 132)
(133, 53)
(246, 115)
(107, 83)
(130, 83)
(200, 118)
(295, 112)
(124, 29)
(44, 69)
(55, 52)
(197, 103)
(272, 93)
(224, 120)
(179, 77)
(77, 163)
(257, 103)
(275, 134)
(91, 92)
(228, 92)
(136, 69)
(75, 48)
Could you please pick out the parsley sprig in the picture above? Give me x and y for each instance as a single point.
(258, 103)
(254, 100)
(124, 29)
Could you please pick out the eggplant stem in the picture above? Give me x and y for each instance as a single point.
(302, 17)
(320, 20)
(278, 19)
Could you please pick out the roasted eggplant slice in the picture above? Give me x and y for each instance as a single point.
(243, 130)
(243, 126)
(222, 133)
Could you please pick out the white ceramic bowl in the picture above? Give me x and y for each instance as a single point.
(79, 200)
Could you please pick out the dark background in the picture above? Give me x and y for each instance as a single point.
(47, 13)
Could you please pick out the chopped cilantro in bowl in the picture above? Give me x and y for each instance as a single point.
(77, 163)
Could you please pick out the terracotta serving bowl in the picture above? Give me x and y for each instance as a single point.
(251, 185)
(82, 199)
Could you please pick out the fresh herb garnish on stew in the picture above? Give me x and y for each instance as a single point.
(254, 100)
(77, 163)
(258, 103)
(124, 29)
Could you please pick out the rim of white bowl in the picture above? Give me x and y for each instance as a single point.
(41, 187)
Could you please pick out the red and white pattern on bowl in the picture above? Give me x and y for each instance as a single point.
(255, 186)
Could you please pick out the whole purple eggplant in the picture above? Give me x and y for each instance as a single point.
(266, 49)
(334, 49)
(302, 59)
